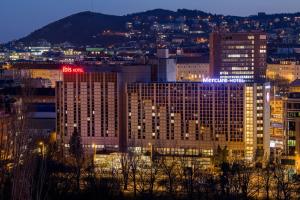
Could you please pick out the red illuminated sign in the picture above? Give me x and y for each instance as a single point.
(67, 69)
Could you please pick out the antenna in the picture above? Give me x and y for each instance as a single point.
(92, 5)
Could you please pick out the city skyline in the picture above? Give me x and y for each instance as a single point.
(17, 22)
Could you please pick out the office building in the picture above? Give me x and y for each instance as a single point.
(292, 125)
(189, 118)
(277, 129)
(192, 69)
(238, 55)
(284, 70)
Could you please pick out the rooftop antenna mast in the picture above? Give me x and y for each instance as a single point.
(92, 5)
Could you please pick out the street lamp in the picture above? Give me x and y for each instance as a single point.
(151, 150)
(297, 162)
(94, 152)
(42, 148)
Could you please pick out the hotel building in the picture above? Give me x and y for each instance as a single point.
(88, 102)
(195, 118)
(238, 55)
(120, 108)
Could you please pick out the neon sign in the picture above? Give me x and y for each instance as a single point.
(220, 80)
(67, 69)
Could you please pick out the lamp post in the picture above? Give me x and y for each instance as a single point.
(151, 151)
(42, 148)
(297, 162)
(94, 152)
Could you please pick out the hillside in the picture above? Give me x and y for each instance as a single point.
(88, 28)
(80, 29)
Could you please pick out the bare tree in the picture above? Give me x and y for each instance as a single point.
(22, 172)
(125, 169)
(169, 171)
(76, 151)
(285, 184)
(153, 176)
(245, 177)
(267, 180)
(134, 160)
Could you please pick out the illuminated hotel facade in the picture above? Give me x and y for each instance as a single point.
(238, 55)
(195, 118)
(88, 102)
(119, 111)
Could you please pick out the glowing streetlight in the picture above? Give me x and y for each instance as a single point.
(94, 151)
(42, 148)
(151, 150)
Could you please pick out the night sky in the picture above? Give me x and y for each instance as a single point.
(20, 17)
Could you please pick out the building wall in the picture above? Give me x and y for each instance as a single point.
(277, 123)
(292, 130)
(89, 103)
(6, 147)
(285, 70)
(238, 55)
(192, 71)
(52, 75)
(291, 119)
(196, 118)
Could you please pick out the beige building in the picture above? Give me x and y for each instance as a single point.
(53, 75)
(277, 123)
(195, 118)
(192, 69)
(285, 70)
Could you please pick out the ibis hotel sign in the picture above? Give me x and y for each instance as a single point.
(71, 69)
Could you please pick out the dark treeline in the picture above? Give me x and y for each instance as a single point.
(133, 176)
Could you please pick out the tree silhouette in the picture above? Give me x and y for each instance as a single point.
(76, 151)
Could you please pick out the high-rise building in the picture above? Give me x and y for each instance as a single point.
(195, 118)
(292, 126)
(117, 108)
(277, 130)
(238, 55)
(292, 121)
(88, 102)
